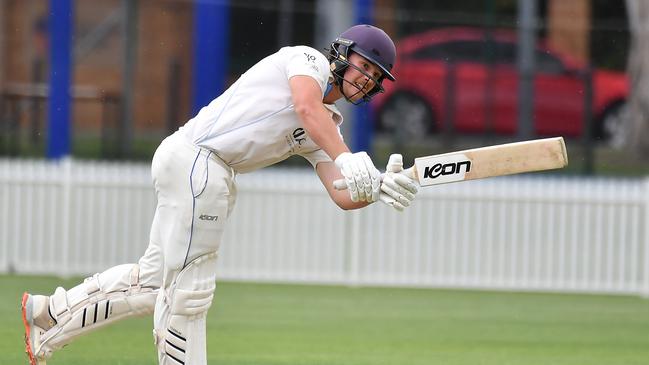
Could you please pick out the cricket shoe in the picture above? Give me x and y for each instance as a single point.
(37, 320)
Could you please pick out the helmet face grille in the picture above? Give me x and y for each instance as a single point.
(340, 62)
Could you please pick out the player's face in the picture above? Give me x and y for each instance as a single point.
(360, 77)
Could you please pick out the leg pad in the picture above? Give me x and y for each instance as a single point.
(181, 312)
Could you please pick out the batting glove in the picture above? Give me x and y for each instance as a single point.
(363, 180)
(397, 189)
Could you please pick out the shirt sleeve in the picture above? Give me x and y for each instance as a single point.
(319, 155)
(308, 61)
(315, 157)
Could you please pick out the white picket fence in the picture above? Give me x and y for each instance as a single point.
(518, 233)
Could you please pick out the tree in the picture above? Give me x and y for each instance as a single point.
(638, 71)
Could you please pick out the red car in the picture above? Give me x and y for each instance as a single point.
(456, 76)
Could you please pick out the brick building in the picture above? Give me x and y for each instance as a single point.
(163, 47)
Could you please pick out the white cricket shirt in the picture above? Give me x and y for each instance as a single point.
(253, 124)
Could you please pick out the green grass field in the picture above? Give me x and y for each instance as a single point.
(290, 324)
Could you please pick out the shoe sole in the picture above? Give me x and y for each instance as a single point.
(27, 321)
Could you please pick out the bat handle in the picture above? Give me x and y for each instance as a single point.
(410, 172)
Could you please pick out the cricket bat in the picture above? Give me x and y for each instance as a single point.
(479, 163)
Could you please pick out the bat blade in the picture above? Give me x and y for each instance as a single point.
(498, 160)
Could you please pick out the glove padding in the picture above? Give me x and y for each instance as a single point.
(362, 178)
(397, 189)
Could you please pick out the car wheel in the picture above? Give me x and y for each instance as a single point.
(407, 115)
(615, 126)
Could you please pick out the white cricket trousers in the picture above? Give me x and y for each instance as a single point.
(196, 193)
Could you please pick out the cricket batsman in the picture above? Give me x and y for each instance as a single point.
(282, 106)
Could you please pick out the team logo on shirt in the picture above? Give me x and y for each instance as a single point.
(310, 57)
(298, 135)
(295, 139)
